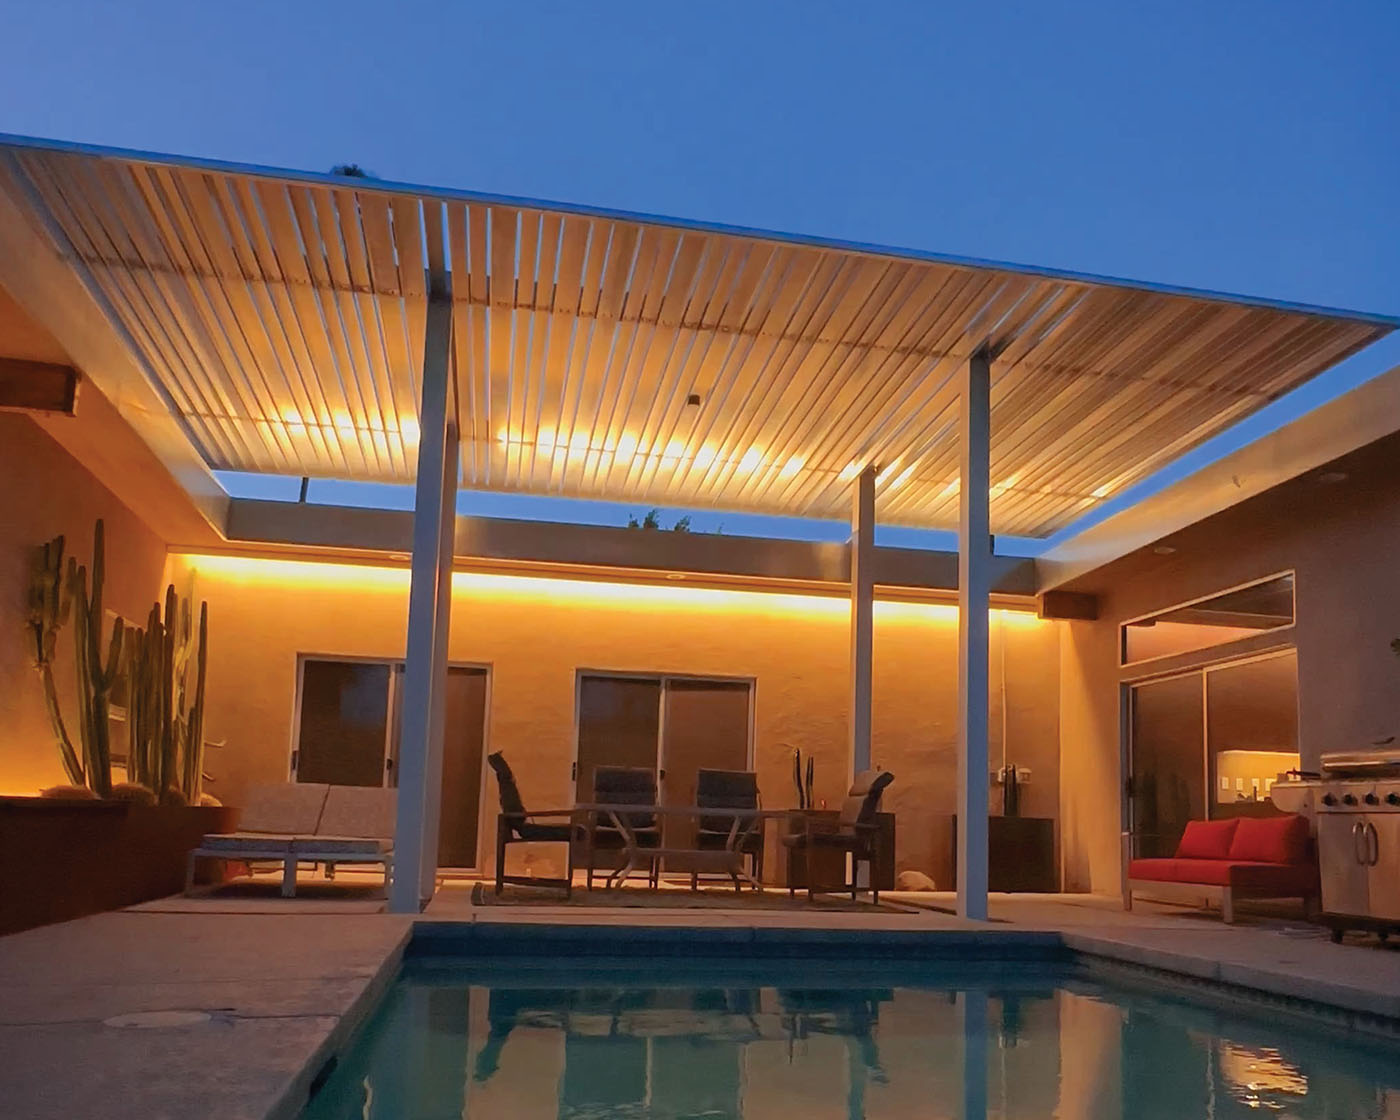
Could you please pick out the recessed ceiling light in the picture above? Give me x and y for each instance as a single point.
(1163, 550)
(674, 575)
(1330, 477)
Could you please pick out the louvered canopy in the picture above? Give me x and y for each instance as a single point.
(617, 357)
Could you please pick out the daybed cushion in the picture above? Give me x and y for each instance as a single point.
(1208, 840)
(1282, 879)
(1271, 840)
(287, 808)
(248, 843)
(359, 811)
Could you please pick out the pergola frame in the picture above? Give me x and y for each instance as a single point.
(274, 320)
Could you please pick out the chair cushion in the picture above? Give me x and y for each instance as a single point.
(248, 843)
(511, 804)
(863, 800)
(1207, 839)
(724, 789)
(627, 785)
(1271, 840)
(359, 811)
(343, 845)
(288, 808)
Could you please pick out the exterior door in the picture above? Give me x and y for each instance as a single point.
(1168, 776)
(619, 721)
(350, 713)
(705, 726)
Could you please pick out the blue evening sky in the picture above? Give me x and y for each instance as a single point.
(1246, 146)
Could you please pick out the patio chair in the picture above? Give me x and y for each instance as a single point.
(855, 832)
(623, 785)
(728, 789)
(517, 825)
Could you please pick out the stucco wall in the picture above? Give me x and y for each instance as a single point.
(537, 633)
(44, 492)
(1341, 536)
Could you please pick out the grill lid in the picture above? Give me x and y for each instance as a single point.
(1383, 761)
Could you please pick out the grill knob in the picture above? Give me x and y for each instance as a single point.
(1392, 798)
(1328, 799)
(1371, 799)
(1348, 799)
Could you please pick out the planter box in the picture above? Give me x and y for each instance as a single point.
(64, 859)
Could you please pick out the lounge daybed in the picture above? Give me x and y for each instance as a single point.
(1223, 861)
(308, 823)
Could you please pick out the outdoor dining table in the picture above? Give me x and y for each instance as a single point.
(728, 860)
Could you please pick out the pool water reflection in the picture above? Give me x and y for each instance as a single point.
(675, 1040)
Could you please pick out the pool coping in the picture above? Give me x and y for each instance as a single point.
(291, 1102)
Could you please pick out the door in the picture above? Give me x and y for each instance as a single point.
(619, 721)
(350, 714)
(704, 726)
(463, 745)
(1167, 763)
(344, 714)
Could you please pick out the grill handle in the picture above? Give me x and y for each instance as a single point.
(1360, 843)
(1373, 845)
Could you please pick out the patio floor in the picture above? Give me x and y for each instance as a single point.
(283, 983)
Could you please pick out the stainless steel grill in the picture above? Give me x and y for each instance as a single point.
(1355, 801)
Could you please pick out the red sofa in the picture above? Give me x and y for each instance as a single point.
(1222, 861)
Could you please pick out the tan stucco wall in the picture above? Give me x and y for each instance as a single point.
(45, 492)
(1341, 538)
(535, 634)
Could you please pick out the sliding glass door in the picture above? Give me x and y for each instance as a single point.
(675, 726)
(1209, 743)
(349, 712)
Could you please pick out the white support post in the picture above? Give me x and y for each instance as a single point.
(437, 714)
(862, 620)
(429, 610)
(974, 590)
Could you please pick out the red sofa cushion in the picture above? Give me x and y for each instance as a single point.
(1215, 872)
(1208, 840)
(1280, 880)
(1271, 840)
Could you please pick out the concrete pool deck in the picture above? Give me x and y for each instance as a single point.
(285, 984)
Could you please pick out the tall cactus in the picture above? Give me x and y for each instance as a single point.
(95, 677)
(166, 750)
(49, 604)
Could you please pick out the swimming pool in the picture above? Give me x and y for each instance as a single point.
(659, 1039)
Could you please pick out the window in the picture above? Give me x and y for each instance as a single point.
(1241, 612)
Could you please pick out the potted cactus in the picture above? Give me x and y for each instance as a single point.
(93, 844)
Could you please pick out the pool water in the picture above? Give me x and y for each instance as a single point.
(665, 1040)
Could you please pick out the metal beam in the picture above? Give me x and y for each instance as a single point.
(862, 548)
(974, 591)
(429, 610)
